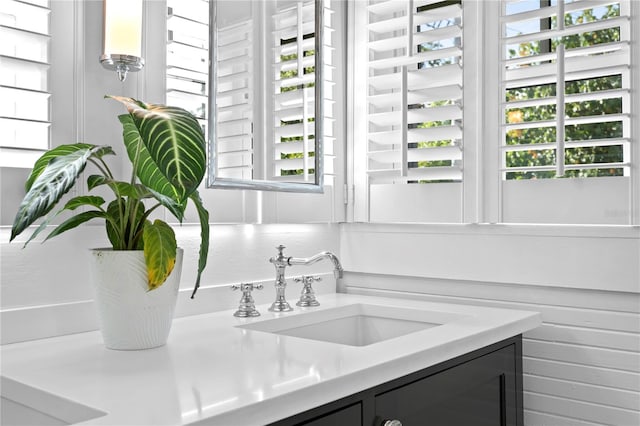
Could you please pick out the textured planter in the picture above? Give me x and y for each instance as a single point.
(130, 316)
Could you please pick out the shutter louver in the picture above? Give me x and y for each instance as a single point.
(566, 86)
(415, 91)
(234, 101)
(25, 107)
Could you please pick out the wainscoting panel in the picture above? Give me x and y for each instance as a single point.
(581, 367)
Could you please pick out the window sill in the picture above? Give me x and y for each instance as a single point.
(541, 230)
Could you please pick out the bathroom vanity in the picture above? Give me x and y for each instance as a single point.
(483, 387)
(354, 360)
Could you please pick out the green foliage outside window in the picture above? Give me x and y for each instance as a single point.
(577, 132)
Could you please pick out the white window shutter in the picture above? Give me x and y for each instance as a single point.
(294, 59)
(414, 98)
(234, 101)
(24, 89)
(408, 107)
(565, 111)
(566, 89)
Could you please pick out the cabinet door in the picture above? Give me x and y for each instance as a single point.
(350, 416)
(334, 414)
(480, 392)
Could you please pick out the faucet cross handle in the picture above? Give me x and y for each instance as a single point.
(307, 296)
(246, 287)
(247, 306)
(307, 279)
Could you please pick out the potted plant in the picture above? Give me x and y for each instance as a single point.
(137, 279)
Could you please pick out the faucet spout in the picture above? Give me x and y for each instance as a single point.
(280, 262)
(337, 266)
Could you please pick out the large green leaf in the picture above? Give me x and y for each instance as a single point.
(174, 142)
(58, 176)
(74, 221)
(84, 200)
(203, 214)
(172, 205)
(159, 252)
(43, 161)
(148, 172)
(72, 204)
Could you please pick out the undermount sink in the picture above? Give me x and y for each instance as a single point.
(22, 405)
(354, 325)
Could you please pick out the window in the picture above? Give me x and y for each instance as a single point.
(413, 108)
(24, 82)
(566, 111)
(542, 105)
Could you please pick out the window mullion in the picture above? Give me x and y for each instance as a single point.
(560, 110)
(404, 166)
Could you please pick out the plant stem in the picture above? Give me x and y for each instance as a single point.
(104, 169)
(105, 172)
(109, 174)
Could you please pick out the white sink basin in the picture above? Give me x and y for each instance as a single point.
(22, 405)
(354, 325)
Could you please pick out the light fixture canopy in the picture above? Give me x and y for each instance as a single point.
(122, 36)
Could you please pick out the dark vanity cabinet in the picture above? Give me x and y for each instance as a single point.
(481, 388)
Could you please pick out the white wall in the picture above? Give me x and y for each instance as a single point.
(582, 366)
(45, 288)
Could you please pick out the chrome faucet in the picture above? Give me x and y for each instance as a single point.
(281, 262)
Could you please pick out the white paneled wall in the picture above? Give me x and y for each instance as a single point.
(582, 366)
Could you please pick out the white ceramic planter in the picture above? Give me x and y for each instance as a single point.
(130, 316)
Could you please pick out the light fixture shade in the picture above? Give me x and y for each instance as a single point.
(122, 36)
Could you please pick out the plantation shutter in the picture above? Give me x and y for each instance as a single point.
(408, 110)
(294, 94)
(24, 89)
(235, 101)
(414, 101)
(187, 56)
(566, 86)
(566, 101)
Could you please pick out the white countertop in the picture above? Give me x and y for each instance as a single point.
(211, 370)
